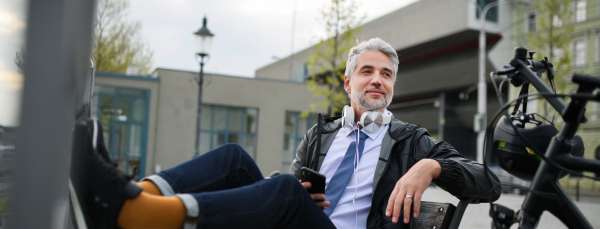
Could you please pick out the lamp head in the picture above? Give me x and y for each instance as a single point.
(203, 39)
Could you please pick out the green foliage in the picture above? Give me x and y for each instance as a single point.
(117, 41)
(552, 38)
(3, 207)
(328, 57)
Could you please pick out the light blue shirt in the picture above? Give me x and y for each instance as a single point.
(354, 204)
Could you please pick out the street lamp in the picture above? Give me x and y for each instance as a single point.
(480, 117)
(203, 41)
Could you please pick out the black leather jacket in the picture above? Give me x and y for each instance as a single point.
(403, 145)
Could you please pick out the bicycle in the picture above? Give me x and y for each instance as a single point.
(557, 159)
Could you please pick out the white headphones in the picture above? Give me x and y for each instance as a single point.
(370, 120)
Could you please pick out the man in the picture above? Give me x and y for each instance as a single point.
(369, 184)
(379, 190)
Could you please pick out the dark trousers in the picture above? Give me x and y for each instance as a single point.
(232, 193)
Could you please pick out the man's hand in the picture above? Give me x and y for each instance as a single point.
(412, 184)
(319, 198)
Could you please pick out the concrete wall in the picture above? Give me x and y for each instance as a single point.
(151, 84)
(177, 112)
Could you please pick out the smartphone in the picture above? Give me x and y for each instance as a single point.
(316, 180)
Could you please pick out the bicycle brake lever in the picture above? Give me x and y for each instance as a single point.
(508, 71)
(549, 68)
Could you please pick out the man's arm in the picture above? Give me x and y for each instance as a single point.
(443, 165)
(299, 162)
(462, 177)
(301, 153)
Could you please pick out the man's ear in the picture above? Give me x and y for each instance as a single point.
(347, 84)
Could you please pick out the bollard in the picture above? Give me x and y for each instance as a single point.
(577, 191)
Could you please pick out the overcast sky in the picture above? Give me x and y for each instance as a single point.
(248, 34)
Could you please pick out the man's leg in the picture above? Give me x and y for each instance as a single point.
(107, 193)
(225, 167)
(225, 189)
(281, 202)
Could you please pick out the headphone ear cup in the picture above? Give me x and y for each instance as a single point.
(348, 116)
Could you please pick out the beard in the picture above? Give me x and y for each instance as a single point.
(361, 100)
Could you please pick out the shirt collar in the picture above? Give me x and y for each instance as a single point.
(372, 136)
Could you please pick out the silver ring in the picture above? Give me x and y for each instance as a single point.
(408, 196)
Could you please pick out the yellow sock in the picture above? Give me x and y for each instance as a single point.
(152, 211)
(149, 187)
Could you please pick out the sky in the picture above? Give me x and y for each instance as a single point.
(249, 34)
(12, 28)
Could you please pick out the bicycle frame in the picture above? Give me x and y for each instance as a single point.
(545, 188)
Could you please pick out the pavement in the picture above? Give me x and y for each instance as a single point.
(477, 215)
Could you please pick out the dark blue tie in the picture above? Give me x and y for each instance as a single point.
(342, 175)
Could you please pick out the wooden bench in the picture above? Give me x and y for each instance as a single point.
(436, 215)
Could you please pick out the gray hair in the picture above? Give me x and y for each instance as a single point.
(372, 44)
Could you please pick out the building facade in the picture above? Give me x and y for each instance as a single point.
(585, 53)
(149, 122)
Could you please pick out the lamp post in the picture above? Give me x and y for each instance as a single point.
(203, 41)
(480, 117)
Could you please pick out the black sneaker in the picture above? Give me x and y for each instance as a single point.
(98, 140)
(101, 189)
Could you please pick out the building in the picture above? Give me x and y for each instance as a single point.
(438, 72)
(149, 122)
(585, 52)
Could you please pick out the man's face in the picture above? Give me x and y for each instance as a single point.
(372, 84)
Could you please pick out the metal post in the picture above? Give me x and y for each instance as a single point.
(577, 193)
(199, 114)
(442, 116)
(59, 34)
(292, 45)
(481, 85)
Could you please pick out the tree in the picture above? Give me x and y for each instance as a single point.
(117, 41)
(3, 207)
(327, 60)
(20, 60)
(552, 39)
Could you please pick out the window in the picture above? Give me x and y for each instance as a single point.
(295, 128)
(531, 23)
(557, 22)
(492, 13)
(300, 73)
(578, 53)
(558, 54)
(597, 46)
(220, 125)
(580, 10)
(594, 113)
(123, 113)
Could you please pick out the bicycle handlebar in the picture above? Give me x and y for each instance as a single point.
(577, 163)
(584, 80)
(522, 66)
